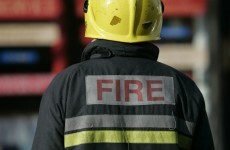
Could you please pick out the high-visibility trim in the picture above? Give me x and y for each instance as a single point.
(132, 137)
(128, 121)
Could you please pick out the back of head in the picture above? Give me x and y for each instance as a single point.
(123, 20)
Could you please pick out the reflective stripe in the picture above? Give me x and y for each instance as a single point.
(132, 137)
(128, 121)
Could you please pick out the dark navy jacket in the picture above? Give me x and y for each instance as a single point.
(120, 98)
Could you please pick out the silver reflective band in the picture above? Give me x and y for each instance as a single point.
(128, 121)
(129, 90)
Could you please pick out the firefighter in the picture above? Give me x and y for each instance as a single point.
(120, 97)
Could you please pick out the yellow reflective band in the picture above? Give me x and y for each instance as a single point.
(137, 137)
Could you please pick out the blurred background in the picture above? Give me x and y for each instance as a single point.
(39, 38)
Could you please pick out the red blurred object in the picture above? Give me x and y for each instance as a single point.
(30, 84)
(30, 9)
(27, 84)
(59, 55)
(83, 39)
(185, 7)
(79, 8)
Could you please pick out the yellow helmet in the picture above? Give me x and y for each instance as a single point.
(123, 20)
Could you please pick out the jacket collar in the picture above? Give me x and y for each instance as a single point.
(106, 49)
